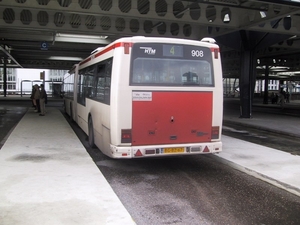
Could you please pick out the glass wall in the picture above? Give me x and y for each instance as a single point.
(10, 81)
(18, 79)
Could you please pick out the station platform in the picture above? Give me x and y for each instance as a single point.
(279, 168)
(44, 168)
(274, 121)
(47, 177)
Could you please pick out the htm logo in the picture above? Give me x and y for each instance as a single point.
(148, 50)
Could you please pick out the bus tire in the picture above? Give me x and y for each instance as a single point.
(91, 137)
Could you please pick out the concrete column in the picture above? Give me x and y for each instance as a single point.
(247, 75)
(4, 77)
(246, 84)
(266, 92)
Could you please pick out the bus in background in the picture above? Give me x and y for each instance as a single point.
(149, 97)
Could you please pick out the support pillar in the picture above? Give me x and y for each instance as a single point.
(248, 74)
(247, 43)
(266, 92)
(281, 83)
(247, 83)
(4, 77)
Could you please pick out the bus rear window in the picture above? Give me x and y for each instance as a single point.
(171, 72)
(156, 64)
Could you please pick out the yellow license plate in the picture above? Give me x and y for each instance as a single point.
(173, 150)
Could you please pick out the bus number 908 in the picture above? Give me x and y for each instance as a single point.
(197, 53)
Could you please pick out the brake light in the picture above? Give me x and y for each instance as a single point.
(216, 52)
(215, 132)
(126, 136)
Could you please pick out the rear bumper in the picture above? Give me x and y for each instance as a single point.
(161, 150)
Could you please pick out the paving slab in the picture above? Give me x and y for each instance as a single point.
(47, 177)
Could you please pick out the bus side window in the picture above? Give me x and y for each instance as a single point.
(90, 89)
(80, 92)
(103, 81)
(108, 72)
(88, 80)
(100, 82)
(99, 89)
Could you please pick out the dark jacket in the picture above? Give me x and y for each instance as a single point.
(43, 95)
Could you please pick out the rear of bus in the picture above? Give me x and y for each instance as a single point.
(172, 101)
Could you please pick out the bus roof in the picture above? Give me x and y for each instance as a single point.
(205, 42)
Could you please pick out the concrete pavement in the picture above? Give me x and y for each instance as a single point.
(276, 167)
(47, 177)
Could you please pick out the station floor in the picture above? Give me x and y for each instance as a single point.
(47, 177)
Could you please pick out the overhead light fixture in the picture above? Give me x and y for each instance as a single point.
(293, 37)
(182, 12)
(226, 18)
(81, 36)
(78, 38)
(263, 14)
(157, 24)
(279, 68)
(65, 58)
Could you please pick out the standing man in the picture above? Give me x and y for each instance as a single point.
(36, 97)
(43, 100)
(32, 97)
(287, 97)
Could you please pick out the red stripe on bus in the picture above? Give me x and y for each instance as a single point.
(105, 50)
(85, 61)
(116, 45)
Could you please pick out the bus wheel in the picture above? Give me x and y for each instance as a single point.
(91, 133)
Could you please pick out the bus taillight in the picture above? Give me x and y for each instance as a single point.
(216, 52)
(215, 132)
(126, 136)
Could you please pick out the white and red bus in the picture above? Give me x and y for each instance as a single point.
(147, 97)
